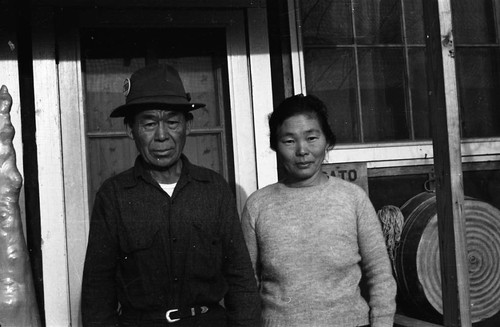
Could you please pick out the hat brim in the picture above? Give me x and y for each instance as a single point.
(132, 108)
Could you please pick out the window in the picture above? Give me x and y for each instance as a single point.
(366, 60)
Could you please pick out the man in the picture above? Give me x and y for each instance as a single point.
(165, 243)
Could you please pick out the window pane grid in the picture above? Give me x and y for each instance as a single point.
(465, 45)
(380, 44)
(360, 46)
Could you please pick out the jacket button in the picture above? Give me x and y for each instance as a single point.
(174, 239)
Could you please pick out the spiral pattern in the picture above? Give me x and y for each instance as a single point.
(482, 229)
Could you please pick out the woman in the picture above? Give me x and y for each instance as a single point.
(311, 236)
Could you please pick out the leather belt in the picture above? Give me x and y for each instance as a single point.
(174, 315)
(170, 315)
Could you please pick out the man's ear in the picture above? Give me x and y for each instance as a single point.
(129, 131)
(189, 124)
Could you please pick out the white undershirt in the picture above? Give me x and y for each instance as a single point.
(169, 188)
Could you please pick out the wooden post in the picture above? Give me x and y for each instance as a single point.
(260, 65)
(444, 119)
(50, 170)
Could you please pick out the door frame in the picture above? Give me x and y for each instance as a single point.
(61, 140)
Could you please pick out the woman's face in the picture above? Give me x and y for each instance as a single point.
(301, 147)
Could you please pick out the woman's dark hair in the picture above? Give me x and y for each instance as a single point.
(296, 105)
(129, 119)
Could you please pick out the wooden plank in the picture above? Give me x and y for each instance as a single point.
(296, 48)
(426, 169)
(241, 111)
(404, 321)
(412, 153)
(447, 162)
(154, 18)
(74, 162)
(157, 3)
(50, 165)
(354, 172)
(399, 171)
(262, 98)
(145, 18)
(279, 50)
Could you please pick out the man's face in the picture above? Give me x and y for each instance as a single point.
(160, 136)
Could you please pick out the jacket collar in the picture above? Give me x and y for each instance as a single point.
(188, 172)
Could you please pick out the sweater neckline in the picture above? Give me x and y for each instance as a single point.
(283, 186)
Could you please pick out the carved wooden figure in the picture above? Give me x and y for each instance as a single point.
(18, 305)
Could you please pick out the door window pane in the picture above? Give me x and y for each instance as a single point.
(104, 91)
(210, 143)
(200, 79)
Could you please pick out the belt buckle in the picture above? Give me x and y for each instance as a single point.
(167, 315)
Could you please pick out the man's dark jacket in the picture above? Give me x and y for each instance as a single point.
(152, 252)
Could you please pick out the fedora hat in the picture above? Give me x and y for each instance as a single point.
(154, 87)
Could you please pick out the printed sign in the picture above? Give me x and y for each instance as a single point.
(355, 172)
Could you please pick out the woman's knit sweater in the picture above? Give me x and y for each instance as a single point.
(309, 247)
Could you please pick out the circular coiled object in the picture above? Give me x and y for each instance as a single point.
(417, 260)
